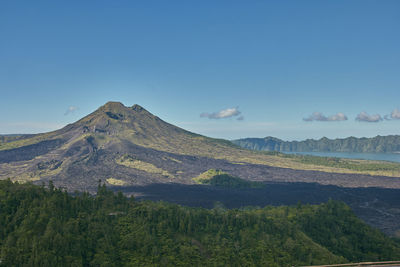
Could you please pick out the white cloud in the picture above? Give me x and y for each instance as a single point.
(71, 109)
(364, 116)
(318, 116)
(222, 114)
(395, 115)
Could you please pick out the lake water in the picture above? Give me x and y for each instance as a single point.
(395, 157)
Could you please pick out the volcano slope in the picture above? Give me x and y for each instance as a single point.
(128, 147)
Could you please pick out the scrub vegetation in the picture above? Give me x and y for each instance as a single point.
(222, 179)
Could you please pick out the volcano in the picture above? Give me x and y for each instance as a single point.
(127, 146)
(116, 144)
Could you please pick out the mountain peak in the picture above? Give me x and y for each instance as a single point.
(116, 119)
(112, 108)
(138, 108)
(113, 105)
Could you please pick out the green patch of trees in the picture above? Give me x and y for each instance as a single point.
(46, 226)
(222, 179)
(226, 180)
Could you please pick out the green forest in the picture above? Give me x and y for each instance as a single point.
(46, 226)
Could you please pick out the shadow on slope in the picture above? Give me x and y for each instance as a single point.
(376, 206)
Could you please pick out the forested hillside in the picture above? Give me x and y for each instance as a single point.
(48, 227)
(390, 143)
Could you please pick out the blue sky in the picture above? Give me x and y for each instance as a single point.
(271, 63)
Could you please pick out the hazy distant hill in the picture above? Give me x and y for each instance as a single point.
(5, 138)
(378, 144)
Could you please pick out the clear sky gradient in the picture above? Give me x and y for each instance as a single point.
(203, 64)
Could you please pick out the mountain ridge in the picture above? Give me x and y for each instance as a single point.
(377, 144)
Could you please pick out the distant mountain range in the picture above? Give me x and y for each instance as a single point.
(378, 144)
